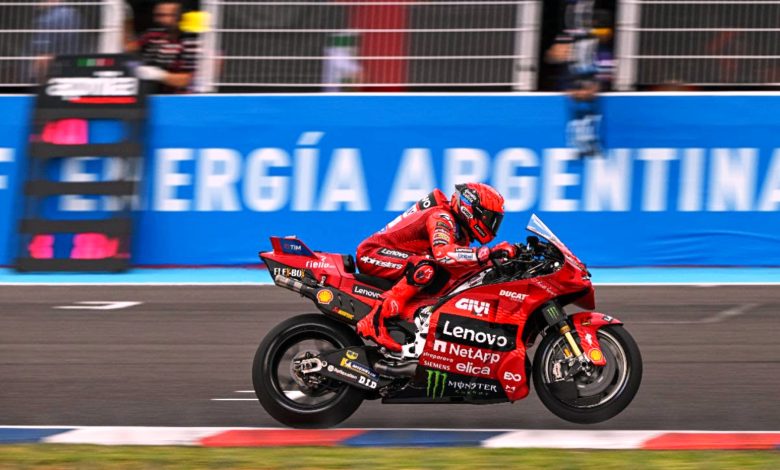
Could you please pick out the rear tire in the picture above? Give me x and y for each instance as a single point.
(272, 394)
(622, 388)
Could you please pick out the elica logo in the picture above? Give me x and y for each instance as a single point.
(437, 382)
(516, 296)
(478, 307)
(86, 86)
(471, 332)
(366, 292)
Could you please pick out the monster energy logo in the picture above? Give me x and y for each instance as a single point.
(438, 384)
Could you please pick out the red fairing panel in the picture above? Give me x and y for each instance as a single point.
(586, 324)
(511, 374)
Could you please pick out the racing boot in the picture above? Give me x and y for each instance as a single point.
(390, 305)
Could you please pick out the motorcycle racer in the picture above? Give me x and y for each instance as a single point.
(420, 247)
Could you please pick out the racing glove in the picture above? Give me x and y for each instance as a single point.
(503, 250)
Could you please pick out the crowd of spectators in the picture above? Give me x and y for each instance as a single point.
(575, 48)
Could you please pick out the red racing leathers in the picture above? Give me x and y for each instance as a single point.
(427, 230)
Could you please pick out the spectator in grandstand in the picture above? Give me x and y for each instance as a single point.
(55, 34)
(169, 54)
(583, 46)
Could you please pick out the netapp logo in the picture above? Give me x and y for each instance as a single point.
(86, 86)
(366, 292)
(482, 334)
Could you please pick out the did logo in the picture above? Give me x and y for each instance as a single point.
(437, 382)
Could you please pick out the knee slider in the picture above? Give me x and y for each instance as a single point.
(421, 274)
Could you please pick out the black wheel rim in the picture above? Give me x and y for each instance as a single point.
(607, 383)
(289, 392)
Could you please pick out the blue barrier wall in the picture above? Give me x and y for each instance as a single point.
(689, 179)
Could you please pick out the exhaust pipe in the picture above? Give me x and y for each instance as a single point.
(294, 285)
(403, 370)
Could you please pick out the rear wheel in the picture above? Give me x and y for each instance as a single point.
(584, 398)
(291, 397)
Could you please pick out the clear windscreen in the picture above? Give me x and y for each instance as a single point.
(536, 226)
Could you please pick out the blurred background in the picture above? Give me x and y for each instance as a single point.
(155, 134)
(349, 111)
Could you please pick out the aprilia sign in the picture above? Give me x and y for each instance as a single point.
(482, 334)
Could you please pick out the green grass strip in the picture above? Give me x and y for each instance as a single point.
(53, 456)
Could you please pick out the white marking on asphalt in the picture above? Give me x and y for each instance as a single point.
(99, 305)
(717, 318)
(291, 394)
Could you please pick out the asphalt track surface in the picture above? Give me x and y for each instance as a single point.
(711, 356)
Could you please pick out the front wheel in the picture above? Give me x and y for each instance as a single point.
(582, 398)
(295, 399)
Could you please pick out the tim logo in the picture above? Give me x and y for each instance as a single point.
(292, 248)
(478, 307)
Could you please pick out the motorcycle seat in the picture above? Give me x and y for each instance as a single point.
(378, 282)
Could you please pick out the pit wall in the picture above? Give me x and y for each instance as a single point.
(688, 180)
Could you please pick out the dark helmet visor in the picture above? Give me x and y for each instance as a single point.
(491, 219)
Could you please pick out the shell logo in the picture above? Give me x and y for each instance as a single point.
(596, 355)
(324, 296)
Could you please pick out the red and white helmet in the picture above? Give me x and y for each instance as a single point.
(479, 208)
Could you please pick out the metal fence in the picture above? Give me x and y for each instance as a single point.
(370, 44)
(698, 42)
(33, 30)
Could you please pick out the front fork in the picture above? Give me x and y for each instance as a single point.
(588, 352)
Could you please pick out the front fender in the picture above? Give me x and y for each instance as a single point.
(586, 324)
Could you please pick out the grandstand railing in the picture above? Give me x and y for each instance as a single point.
(32, 30)
(370, 44)
(707, 43)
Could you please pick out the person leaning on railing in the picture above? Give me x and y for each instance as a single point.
(169, 54)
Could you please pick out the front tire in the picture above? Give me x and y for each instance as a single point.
(603, 395)
(287, 399)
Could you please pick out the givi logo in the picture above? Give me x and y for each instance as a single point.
(478, 307)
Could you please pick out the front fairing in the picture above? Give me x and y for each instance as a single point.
(573, 277)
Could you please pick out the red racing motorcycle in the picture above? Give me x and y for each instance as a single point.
(469, 341)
